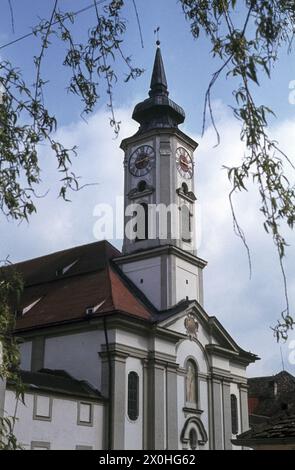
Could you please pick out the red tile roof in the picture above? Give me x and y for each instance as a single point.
(92, 281)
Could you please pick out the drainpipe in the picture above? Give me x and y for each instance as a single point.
(110, 387)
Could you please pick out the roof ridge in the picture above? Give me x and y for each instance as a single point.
(66, 250)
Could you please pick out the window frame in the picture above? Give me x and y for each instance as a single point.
(132, 417)
(79, 421)
(235, 415)
(37, 444)
(37, 417)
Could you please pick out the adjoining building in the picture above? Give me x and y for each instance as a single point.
(271, 413)
(276, 434)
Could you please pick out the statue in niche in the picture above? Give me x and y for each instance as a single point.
(191, 378)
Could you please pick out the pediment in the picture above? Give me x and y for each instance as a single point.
(193, 321)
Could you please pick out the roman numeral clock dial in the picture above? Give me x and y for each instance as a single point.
(184, 163)
(141, 161)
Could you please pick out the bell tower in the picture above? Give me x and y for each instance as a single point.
(159, 247)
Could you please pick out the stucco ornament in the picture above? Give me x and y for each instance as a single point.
(191, 326)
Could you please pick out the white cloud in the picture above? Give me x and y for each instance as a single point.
(58, 224)
(247, 308)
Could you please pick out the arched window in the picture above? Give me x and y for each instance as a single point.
(142, 186)
(234, 414)
(133, 396)
(191, 382)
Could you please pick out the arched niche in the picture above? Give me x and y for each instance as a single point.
(193, 425)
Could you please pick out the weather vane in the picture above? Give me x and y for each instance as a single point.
(157, 33)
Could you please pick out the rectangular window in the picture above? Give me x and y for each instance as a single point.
(85, 414)
(42, 408)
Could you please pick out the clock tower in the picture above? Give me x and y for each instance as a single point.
(159, 250)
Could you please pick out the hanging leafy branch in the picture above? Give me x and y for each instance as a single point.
(247, 50)
(26, 123)
(11, 287)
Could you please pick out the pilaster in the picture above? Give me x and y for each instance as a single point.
(244, 411)
(227, 431)
(172, 409)
(157, 404)
(217, 414)
(116, 393)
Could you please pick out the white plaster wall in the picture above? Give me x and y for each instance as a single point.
(186, 272)
(162, 346)
(62, 432)
(78, 354)
(25, 354)
(221, 363)
(149, 271)
(134, 429)
(132, 340)
(237, 369)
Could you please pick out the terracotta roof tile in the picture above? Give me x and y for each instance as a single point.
(91, 282)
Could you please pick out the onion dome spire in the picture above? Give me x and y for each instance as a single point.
(158, 111)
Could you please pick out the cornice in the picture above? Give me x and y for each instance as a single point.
(162, 250)
(139, 137)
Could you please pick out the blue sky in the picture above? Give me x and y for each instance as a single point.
(246, 308)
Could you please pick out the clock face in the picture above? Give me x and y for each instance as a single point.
(142, 160)
(184, 163)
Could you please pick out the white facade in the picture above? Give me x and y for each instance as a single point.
(164, 418)
(47, 422)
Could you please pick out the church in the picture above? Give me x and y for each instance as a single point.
(117, 350)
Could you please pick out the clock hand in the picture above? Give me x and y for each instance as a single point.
(183, 162)
(142, 160)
